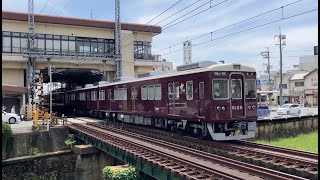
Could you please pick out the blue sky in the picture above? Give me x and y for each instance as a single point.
(245, 48)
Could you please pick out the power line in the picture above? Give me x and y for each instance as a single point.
(64, 7)
(211, 6)
(248, 29)
(44, 7)
(193, 14)
(239, 22)
(177, 12)
(164, 11)
(146, 24)
(153, 19)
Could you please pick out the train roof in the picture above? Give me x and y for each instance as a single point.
(214, 68)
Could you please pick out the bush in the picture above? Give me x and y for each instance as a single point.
(71, 141)
(120, 173)
(6, 130)
(33, 151)
(6, 136)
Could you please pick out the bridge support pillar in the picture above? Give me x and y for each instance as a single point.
(90, 162)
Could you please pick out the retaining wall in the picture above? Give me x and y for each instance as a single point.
(282, 128)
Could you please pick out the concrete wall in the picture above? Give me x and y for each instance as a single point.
(59, 165)
(45, 141)
(286, 128)
(13, 77)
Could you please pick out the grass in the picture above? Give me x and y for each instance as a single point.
(304, 142)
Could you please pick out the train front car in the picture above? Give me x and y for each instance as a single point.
(232, 113)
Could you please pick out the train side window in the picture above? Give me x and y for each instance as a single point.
(94, 95)
(88, 96)
(251, 88)
(109, 94)
(201, 90)
(157, 95)
(124, 94)
(151, 92)
(102, 95)
(176, 93)
(189, 90)
(144, 92)
(120, 94)
(170, 90)
(133, 93)
(220, 89)
(116, 94)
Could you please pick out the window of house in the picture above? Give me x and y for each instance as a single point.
(6, 44)
(151, 92)
(284, 86)
(201, 90)
(16, 44)
(144, 92)
(142, 50)
(299, 84)
(189, 90)
(158, 93)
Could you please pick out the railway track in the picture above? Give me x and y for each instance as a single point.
(295, 162)
(187, 162)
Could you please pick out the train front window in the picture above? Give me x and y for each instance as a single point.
(251, 91)
(236, 89)
(220, 89)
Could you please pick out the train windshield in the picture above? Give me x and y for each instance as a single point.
(251, 91)
(220, 89)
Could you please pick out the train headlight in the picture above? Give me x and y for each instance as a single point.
(223, 108)
(249, 107)
(122, 116)
(253, 107)
(219, 108)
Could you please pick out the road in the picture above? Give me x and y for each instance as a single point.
(304, 112)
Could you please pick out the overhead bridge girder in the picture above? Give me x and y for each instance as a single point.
(150, 168)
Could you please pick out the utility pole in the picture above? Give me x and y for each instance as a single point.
(266, 54)
(31, 55)
(282, 42)
(117, 38)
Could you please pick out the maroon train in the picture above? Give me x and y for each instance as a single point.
(217, 100)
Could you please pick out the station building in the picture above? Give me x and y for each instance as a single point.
(74, 43)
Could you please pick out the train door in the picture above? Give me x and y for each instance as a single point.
(237, 95)
(171, 99)
(201, 97)
(134, 95)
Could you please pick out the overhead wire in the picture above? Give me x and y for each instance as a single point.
(44, 6)
(151, 21)
(208, 2)
(239, 22)
(248, 29)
